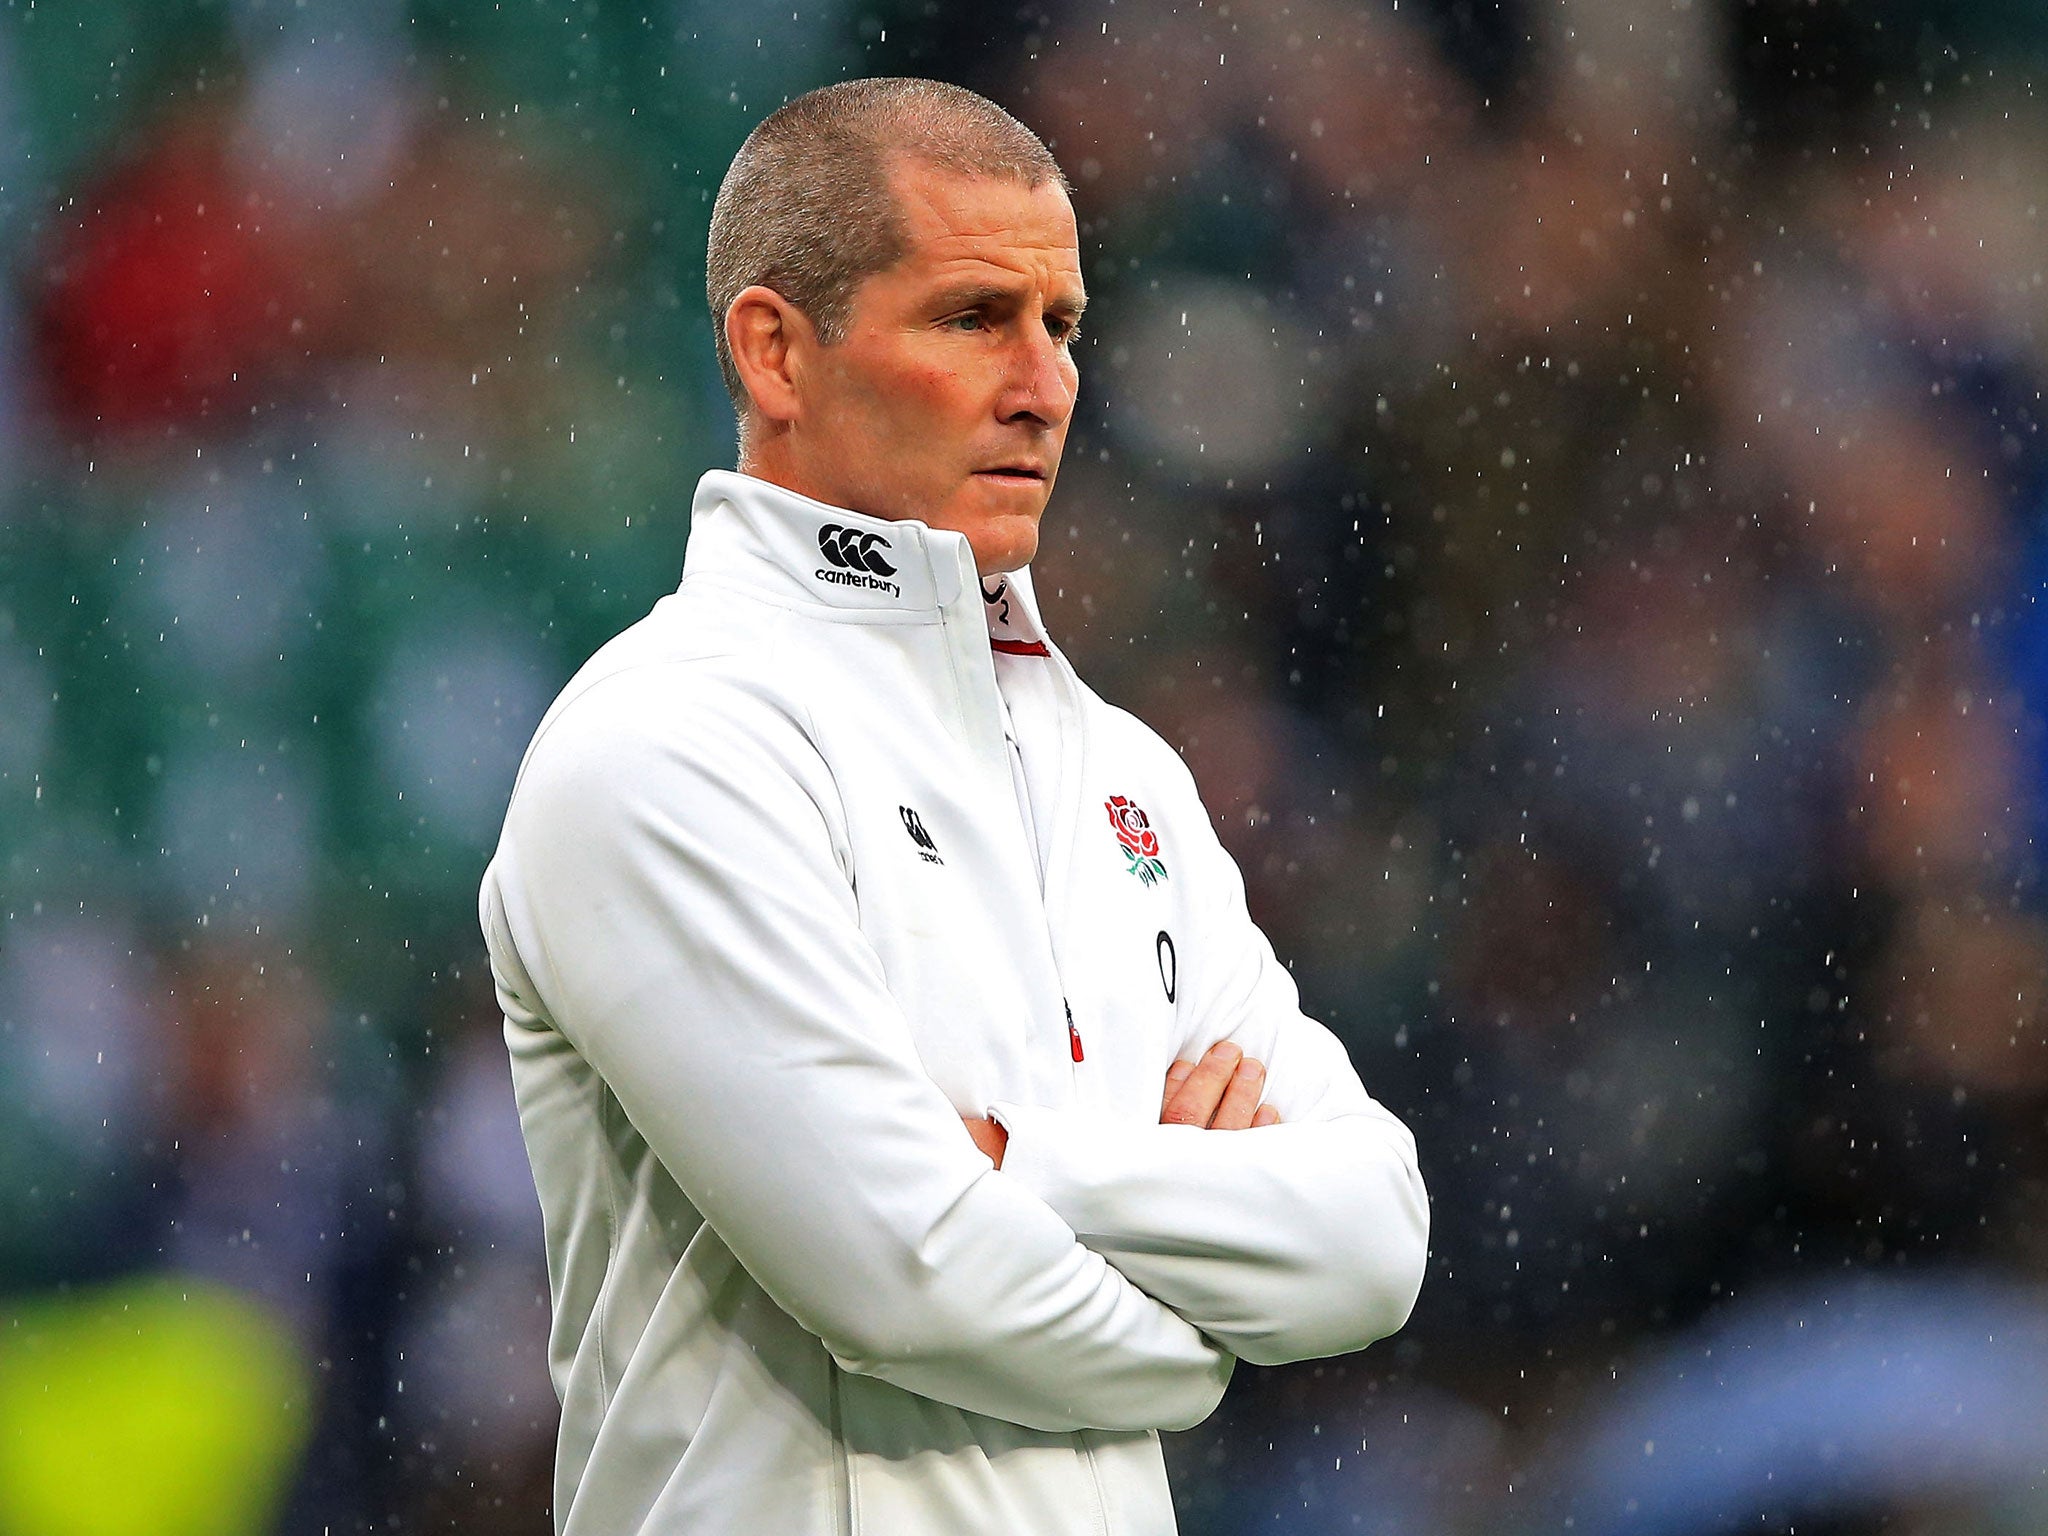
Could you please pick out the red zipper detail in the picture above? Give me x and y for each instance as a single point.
(1073, 1034)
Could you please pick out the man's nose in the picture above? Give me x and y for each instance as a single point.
(1041, 384)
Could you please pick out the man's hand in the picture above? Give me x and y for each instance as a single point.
(990, 1137)
(1218, 1093)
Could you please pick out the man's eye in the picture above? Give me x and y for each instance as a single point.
(971, 321)
(1063, 331)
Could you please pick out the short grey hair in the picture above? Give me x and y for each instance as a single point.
(806, 208)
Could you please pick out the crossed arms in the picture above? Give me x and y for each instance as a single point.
(1218, 1093)
(676, 911)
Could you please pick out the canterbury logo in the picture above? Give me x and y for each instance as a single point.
(851, 549)
(914, 825)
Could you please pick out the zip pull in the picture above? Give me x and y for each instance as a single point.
(1073, 1034)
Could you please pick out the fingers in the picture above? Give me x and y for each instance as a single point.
(1194, 1101)
(1240, 1100)
(1175, 1076)
(1220, 1092)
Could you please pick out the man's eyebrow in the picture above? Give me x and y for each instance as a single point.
(977, 295)
(973, 295)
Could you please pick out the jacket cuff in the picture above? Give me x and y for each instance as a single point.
(1061, 1155)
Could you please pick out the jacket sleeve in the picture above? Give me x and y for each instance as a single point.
(679, 908)
(1289, 1242)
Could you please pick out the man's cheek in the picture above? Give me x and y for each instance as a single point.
(931, 391)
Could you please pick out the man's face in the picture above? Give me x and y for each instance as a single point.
(948, 397)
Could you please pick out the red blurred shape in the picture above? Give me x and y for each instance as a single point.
(178, 289)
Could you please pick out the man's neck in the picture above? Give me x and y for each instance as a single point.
(765, 462)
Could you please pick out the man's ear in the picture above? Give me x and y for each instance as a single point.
(769, 337)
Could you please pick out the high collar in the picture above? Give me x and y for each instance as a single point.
(1010, 607)
(792, 548)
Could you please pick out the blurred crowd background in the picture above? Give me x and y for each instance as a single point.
(1569, 474)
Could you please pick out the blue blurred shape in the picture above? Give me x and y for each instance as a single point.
(1827, 1401)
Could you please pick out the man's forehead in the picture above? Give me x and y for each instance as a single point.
(951, 218)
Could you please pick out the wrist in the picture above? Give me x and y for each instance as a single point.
(990, 1137)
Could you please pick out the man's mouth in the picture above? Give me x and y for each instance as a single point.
(1015, 474)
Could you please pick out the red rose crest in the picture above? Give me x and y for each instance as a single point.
(1134, 833)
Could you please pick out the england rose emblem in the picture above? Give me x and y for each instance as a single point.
(1135, 835)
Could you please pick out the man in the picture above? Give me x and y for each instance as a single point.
(832, 853)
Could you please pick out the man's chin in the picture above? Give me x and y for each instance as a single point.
(1003, 565)
(1002, 530)
(1004, 544)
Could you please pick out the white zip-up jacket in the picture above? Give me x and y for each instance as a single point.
(776, 905)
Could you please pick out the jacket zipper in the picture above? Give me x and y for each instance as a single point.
(1065, 818)
(982, 668)
(1028, 816)
(1094, 1481)
(845, 1508)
